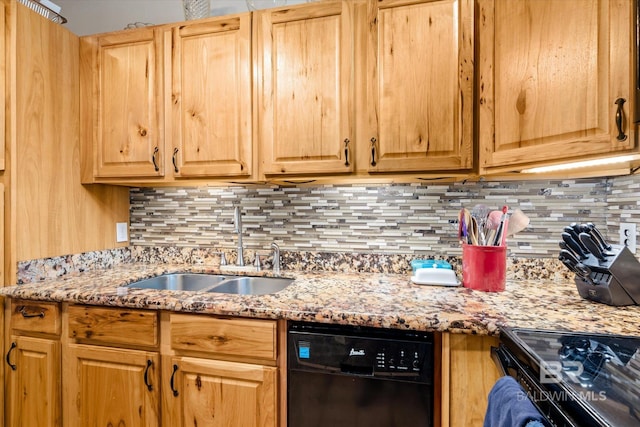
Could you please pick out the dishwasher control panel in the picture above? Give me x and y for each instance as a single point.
(372, 352)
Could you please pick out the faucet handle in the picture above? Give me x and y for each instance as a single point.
(256, 263)
(223, 258)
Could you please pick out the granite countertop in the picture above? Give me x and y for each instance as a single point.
(367, 299)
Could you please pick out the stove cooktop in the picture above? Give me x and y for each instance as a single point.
(592, 375)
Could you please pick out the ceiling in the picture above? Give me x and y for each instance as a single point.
(99, 16)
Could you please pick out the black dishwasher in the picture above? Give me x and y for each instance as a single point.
(356, 376)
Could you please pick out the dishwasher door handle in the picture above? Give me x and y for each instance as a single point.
(360, 371)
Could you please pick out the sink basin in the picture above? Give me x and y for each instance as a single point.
(243, 285)
(179, 282)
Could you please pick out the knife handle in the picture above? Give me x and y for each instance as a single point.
(574, 236)
(599, 236)
(591, 245)
(565, 254)
(573, 246)
(585, 273)
(570, 266)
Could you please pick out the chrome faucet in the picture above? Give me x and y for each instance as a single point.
(276, 257)
(237, 221)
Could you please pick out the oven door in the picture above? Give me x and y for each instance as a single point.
(541, 397)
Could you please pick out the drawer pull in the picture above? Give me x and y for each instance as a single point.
(28, 315)
(175, 369)
(12, 366)
(146, 375)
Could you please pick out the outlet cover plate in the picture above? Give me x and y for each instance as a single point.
(121, 232)
(628, 235)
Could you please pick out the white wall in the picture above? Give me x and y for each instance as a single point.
(99, 16)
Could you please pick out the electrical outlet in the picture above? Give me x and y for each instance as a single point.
(121, 232)
(628, 236)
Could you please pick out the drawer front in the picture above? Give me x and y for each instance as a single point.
(114, 326)
(238, 338)
(35, 316)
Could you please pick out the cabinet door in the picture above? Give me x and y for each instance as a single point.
(33, 394)
(127, 77)
(211, 98)
(214, 393)
(111, 387)
(550, 76)
(305, 85)
(420, 85)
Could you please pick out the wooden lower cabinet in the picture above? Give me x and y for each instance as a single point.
(111, 387)
(33, 377)
(468, 374)
(202, 392)
(32, 392)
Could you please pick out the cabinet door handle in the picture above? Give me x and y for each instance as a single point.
(12, 366)
(175, 369)
(146, 375)
(175, 161)
(28, 315)
(620, 119)
(346, 152)
(153, 159)
(373, 151)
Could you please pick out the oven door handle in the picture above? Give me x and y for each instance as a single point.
(502, 360)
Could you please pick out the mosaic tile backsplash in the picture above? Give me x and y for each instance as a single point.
(353, 228)
(412, 219)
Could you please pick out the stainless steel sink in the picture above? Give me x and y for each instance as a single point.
(241, 285)
(179, 282)
(244, 285)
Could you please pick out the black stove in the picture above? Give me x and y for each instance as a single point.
(575, 379)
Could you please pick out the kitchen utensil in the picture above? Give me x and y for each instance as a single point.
(585, 273)
(491, 226)
(473, 232)
(464, 226)
(604, 247)
(499, 240)
(591, 246)
(565, 254)
(563, 245)
(573, 244)
(574, 235)
(599, 236)
(480, 213)
(518, 221)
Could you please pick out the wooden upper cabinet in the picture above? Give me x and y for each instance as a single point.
(211, 107)
(122, 104)
(550, 77)
(305, 88)
(419, 85)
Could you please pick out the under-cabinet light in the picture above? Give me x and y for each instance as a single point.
(581, 164)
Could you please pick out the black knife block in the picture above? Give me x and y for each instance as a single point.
(615, 282)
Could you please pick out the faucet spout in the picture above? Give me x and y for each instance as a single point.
(276, 257)
(237, 221)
